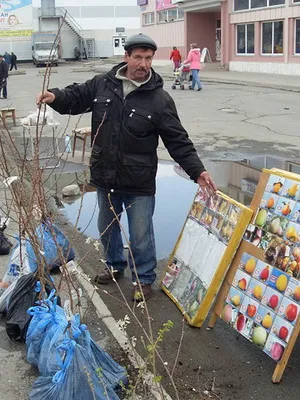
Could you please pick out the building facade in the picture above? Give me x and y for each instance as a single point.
(244, 35)
(101, 25)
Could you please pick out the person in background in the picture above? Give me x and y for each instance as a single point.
(176, 57)
(7, 58)
(194, 59)
(13, 61)
(77, 53)
(3, 77)
(130, 111)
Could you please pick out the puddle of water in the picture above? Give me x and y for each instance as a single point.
(174, 196)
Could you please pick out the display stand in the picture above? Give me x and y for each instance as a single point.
(203, 252)
(51, 150)
(260, 296)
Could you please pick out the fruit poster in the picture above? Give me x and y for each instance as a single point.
(261, 293)
(213, 229)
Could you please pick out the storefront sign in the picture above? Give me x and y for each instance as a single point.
(16, 18)
(164, 4)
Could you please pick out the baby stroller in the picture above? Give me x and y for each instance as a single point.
(182, 76)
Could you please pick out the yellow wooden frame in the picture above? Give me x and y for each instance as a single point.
(243, 221)
(258, 253)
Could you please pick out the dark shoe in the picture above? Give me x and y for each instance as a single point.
(137, 294)
(107, 276)
(191, 88)
(199, 89)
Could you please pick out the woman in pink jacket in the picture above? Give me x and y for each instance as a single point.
(193, 59)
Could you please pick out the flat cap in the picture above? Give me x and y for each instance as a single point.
(140, 40)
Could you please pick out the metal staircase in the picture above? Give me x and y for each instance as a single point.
(87, 41)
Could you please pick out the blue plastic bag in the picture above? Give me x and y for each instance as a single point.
(51, 239)
(75, 380)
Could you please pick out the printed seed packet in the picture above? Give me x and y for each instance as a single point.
(233, 214)
(265, 317)
(223, 207)
(295, 216)
(213, 202)
(293, 290)
(269, 201)
(258, 335)
(235, 297)
(196, 210)
(265, 240)
(289, 310)
(226, 231)
(285, 256)
(217, 223)
(207, 217)
(282, 329)
(172, 272)
(272, 251)
(276, 224)
(256, 289)
(249, 307)
(278, 280)
(248, 263)
(262, 271)
(274, 347)
(285, 207)
(291, 189)
(272, 299)
(202, 196)
(243, 325)
(253, 234)
(262, 217)
(292, 232)
(229, 314)
(241, 280)
(275, 184)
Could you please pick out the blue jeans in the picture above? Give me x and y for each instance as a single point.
(139, 211)
(196, 79)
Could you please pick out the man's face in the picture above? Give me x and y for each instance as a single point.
(139, 64)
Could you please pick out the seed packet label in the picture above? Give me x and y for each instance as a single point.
(293, 290)
(291, 189)
(266, 239)
(262, 271)
(249, 307)
(229, 314)
(278, 280)
(292, 232)
(212, 202)
(243, 325)
(256, 289)
(295, 217)
(272, 251)
(241, 280)
(284, 207)
(262, 217)
(269, 201)
(68, 310)
(282, 329)
(272, 299)
(202, 196)
(265, 318)
(277, 225)
(235, 297)
(207, 217)
(274, 347)
(275, 184)
(248, 263)
(288, 310)
(223, 207)
(196, 211)
(233, 214)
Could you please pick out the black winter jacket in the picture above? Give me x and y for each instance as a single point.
(125, 132)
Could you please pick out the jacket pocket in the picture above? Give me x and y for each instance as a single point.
(101, 108)
(139, 121)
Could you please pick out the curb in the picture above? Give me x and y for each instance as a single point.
(241, 83)
(111, 324)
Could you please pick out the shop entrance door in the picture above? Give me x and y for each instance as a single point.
(218, 40)
(118, 45)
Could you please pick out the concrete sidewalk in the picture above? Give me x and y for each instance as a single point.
(210, 73)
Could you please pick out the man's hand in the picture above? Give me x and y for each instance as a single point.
(205, 180)
(45, 97)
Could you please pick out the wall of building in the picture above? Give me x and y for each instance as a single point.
(285, 63)
(201, 29)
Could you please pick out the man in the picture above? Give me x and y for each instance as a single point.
(130, 110)
(3, 77)
(13, 60)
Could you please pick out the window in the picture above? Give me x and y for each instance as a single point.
(297, 37)
(245, 39)
(250, 4)
(272, 37)
(148, 18)
(170, 15)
